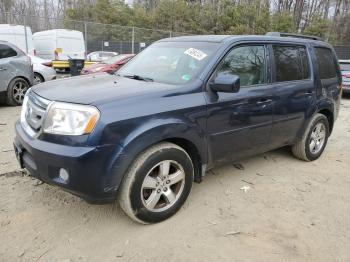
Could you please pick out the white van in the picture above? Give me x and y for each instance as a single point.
(15, 34)
(59, 44)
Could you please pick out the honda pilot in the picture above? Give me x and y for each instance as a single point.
(145, 133)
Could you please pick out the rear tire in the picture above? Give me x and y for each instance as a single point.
(38, 79)
(157, 184)
(314, 139)
(16, 91)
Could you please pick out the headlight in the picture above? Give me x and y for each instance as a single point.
(70, 119)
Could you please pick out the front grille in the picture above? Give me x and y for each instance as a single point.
(35, 111)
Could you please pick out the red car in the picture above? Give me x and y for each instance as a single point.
(110, 65)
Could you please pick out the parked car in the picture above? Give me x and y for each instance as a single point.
(59, 44)
(110, 66)
(345, 70)
(100, 56)
(43, 70)
(16, 34)
(16, 73)
(177, 108)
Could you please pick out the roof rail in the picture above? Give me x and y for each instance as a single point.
(279, 34)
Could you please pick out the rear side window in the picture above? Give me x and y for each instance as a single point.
(325, 63)
(291, 63)
(6, 51)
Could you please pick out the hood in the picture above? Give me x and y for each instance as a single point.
(96, 89)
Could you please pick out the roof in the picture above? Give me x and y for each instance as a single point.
(229, 38)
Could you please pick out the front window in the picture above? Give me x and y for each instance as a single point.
(248, 62)
(170, 62)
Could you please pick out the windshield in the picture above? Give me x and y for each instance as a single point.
(170, 62)
(115, 59)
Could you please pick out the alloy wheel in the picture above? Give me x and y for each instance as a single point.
(163, 186)
(317, 138)
(19, 90)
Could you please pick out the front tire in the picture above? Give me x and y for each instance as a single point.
(314, 139)
(157, 184)
(16, 91)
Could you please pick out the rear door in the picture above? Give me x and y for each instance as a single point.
(239, 124)
(294, 91)
(329, 77)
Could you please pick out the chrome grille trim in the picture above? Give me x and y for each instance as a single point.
(34, 113)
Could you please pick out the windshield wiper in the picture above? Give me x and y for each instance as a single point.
(137, 77)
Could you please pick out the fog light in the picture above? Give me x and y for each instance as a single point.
(64, 174)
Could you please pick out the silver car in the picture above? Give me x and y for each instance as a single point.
(16, 73)
(43, 70)
(345, 71)
(99, 56)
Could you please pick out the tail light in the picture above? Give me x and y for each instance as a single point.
(48, 64)
(56, 55)
(34, 52)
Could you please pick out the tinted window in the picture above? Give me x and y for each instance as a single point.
(291, 63)
(248, 62)
(325, 63)
(6, 51)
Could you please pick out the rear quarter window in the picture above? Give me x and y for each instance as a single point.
(326, 64)
(291, 62)
(6, 51)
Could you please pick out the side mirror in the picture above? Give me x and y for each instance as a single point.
(226, 83)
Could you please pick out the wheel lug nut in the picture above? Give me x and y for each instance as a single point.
(168, 181)
(158, 191)
(165, 189)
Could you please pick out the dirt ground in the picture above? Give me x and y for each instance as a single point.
(292, 211)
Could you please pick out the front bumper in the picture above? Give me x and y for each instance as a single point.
(87, 166)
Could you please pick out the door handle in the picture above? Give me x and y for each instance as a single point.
(2, 69)
(264, 101)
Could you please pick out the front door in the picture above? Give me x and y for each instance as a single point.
(239, 124)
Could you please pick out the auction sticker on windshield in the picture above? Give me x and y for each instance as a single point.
(195, 53)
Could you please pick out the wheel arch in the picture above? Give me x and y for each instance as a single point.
(138, 141)
(19, 77)
(42, 77)
(326, 107)
(193, 152)
(329, 114)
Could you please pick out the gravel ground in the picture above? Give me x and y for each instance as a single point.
(292, 211)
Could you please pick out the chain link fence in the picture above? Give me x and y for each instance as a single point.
(109, 37)
(97, 36)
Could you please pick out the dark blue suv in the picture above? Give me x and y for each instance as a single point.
(147, 132)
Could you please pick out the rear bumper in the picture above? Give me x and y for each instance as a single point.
(86, 166)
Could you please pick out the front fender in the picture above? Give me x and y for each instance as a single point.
(150, 133)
